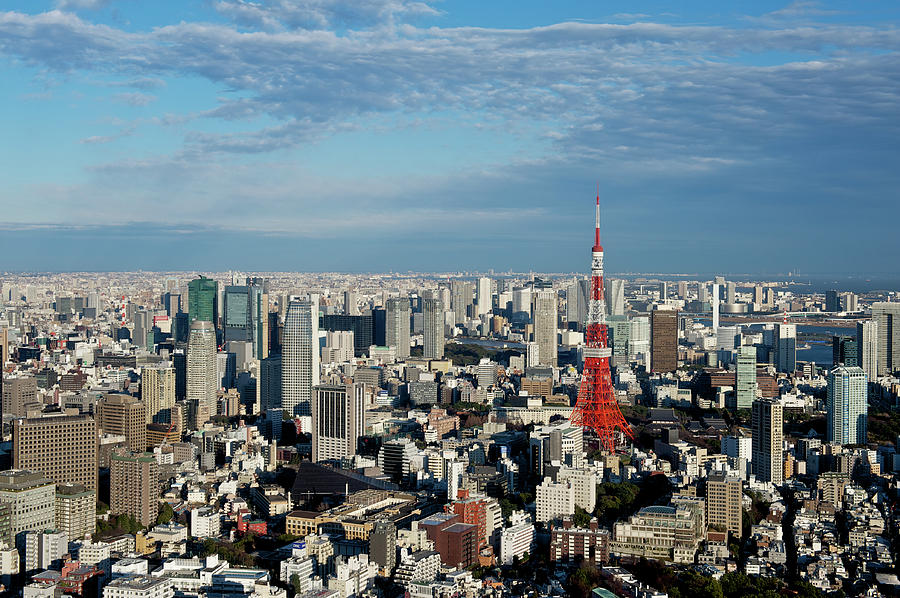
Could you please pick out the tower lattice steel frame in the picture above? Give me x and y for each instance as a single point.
(597, 408)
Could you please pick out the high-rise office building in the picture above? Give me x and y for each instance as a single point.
(545, 325)
(867, 347)
(768, 440)
(682, 290)
(485, 295)
(846, 406)
(236, 319)
(158, 392)
(723, 503)
(30, 499)
(832, 301)
(270, 383)
(300, 356)
(577, 300)
(462, 297)
(745, 377)
(663, 340)
(124, 415)
(843, 351)
(364, 329)
(397, 325)
(786, 347)
(62, 447)
(887, 318)
(259, 317)
(433, 338)
(18, 394)
(615, 296)
(76, 510)
(338, 421)
(203, 300)
(134, 486)
(351, 303)
(202, 371)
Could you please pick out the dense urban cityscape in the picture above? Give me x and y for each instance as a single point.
(267, 435)
(449, 299)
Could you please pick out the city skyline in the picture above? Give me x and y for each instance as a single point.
(448, 135)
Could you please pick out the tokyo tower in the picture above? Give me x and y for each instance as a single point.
(597, 408)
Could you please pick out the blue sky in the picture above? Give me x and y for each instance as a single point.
(376, 135)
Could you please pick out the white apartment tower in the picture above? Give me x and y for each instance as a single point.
(300, 356)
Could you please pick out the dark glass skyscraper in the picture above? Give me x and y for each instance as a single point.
(237, 313)
(203, 300)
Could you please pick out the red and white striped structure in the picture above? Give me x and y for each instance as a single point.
(597, 408)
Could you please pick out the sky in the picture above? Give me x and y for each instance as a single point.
(394, 135)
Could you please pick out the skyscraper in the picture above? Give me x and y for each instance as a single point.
(203, 300)
(545, 330)
(485, 294)
(259, 317)
(134, 486)
(730, 293)
(577, 298)
(202, 383)
(300, 356)
(768, 441)
(832, 301)
(237, 313)
(270, 383)
(615, 297)
(397, 325)
(887, 317)
(63, 447)
(715, 307)
(338, 420)
(843, 350)
(158, 392)
(663, 340)
(433, 311)
(461, 293)
(351, 303)
(846, 406)
(786, 347)
(745, 377)
(867, 347)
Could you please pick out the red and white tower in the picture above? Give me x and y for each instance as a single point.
(597, 408)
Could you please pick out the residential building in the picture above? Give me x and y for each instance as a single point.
(158, 392)
(134, 486)
(867, 348)
(433, 338)
(846, 405)
(397, 326)
(768, 440)
(202, 372)
(723, 503)
(887, 319)
(545, 325)
(76, 510)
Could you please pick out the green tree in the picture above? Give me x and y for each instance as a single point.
(581, 518)
(166, 514)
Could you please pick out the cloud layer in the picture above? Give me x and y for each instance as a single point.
(748, 126)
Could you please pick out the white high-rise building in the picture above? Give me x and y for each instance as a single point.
(351, 303)
(554, 500)
(887, 317)
(768, 441)
(715, 307)
(433, 339)
(615, 296)
(484, 296)
(846, 406)
(867, 347)
(202, 381)
(639, 339)
(545, 329)
(338, 420)
(338, 346)
(45, 549)
(396, 330)
(300, 356)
